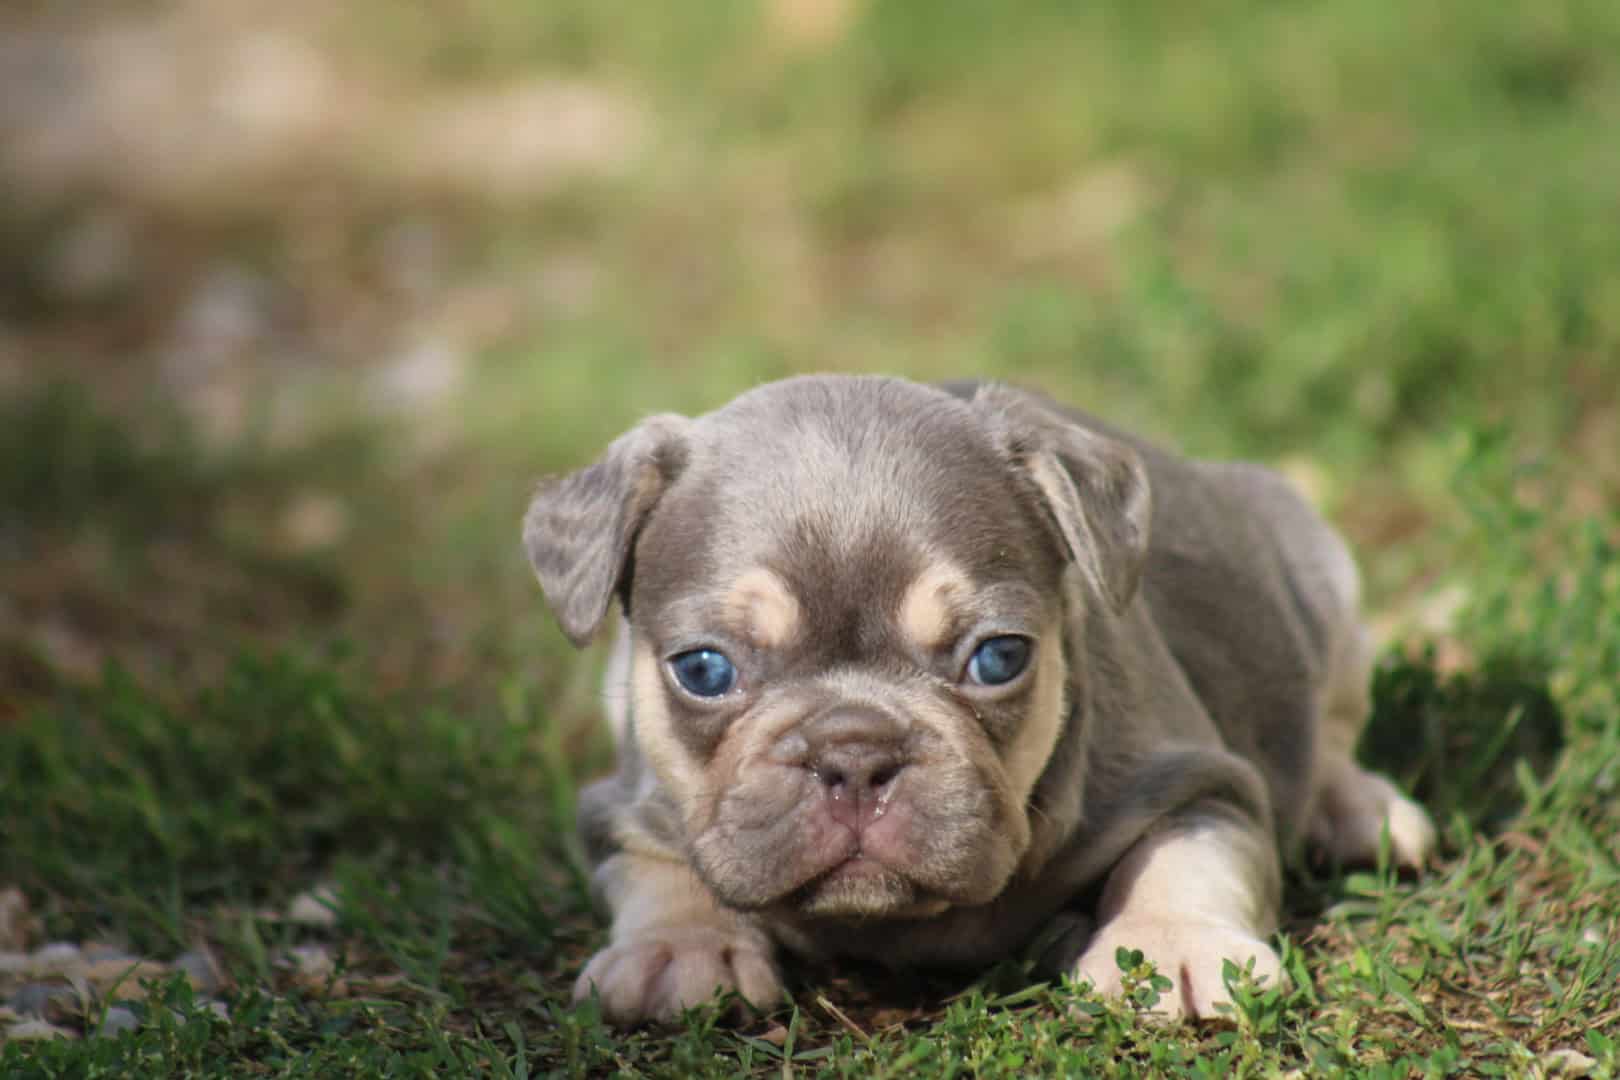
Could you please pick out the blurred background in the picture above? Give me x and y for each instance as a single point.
(298, 300)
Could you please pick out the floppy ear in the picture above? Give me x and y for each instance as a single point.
(1095, 488)
(579, 528)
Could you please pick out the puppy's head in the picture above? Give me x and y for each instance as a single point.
(847, 599)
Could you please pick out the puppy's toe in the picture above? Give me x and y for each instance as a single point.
(1191, 956)
(1411, 833)
(656, 974)
(1353, 810)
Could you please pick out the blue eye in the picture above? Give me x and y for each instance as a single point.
(704, 672)
(999, 660)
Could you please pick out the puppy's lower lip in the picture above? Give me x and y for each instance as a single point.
(858, 867)
(858, 864)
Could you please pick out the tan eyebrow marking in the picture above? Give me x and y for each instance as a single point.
(927, 611)
(761, 603)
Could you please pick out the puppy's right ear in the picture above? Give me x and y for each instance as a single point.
(579, 528)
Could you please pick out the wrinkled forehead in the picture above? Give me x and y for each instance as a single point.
(848, 502)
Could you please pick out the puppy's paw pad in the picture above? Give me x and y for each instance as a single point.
(656, 974)
(1191, 956)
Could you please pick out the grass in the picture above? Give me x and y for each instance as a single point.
(1370, 244)
(461, 909)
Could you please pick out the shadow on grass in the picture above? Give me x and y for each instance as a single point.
(1457, 740)
(1454, 741)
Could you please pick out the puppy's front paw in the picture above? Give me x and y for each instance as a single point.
(654, 974)
(1190, 955)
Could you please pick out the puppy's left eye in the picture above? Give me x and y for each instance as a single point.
(704, 673)
(999, 660)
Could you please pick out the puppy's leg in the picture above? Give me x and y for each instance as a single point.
(1199, 890)
(672, 945)
(1353, 806)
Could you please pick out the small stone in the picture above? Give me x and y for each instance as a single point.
(94, 257)
(316, 520)
(200, 968)
(227, 312)
(36, 1029)
(120, 977)
(423, 375)
(118, 1020)
(57, 958)
(67, 647)
(314, 908)
(312, 962)
(1567, 1062)
(96, 951)
(314, 968)
(46, 1001)
(213, 1008)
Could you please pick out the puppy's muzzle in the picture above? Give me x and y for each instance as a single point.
(855, 756)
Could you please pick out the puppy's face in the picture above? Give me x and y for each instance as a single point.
(851, 678)
(847, 601)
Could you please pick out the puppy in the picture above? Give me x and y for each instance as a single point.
(924, 674)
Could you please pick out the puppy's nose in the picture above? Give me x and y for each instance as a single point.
(856, 768)
(855, 757)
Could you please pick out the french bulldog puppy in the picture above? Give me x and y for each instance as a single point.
(923, 674)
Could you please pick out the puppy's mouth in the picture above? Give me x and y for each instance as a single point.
(860, 872)
(861, 887)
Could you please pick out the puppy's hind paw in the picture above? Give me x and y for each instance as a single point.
(657, 973)
(1354, 808)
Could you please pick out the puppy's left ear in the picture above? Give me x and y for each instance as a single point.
(579, 529)
(1095, 488)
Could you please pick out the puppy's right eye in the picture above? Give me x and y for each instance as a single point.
(704, 673)
(999, 660)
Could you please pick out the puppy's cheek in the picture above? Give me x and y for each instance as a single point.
(764, 840)
(676, 767)
(971, 821)
(762, 834)
(1029, 751)
(967, 839)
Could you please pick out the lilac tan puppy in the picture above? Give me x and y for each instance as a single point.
(922, 674)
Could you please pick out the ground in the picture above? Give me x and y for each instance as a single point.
(297, 303)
